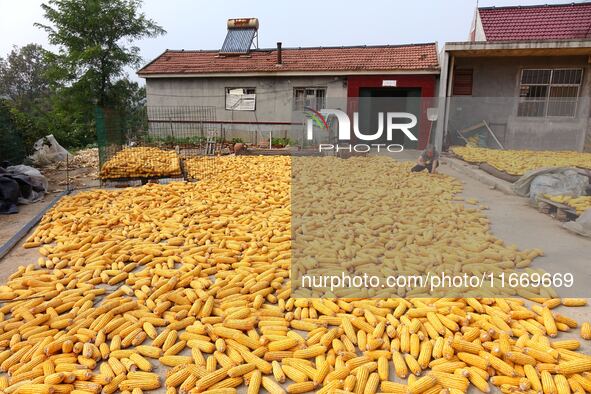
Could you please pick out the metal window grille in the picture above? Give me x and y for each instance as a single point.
(309, 97)
(549, 92)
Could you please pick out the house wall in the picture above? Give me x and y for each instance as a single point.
(495, 97)
(274, 101)
(477, 33)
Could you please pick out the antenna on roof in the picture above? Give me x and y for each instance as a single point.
(242, 35)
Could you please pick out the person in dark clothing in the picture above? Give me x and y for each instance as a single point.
(429, 160)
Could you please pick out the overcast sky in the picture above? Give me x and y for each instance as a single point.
(198, 24)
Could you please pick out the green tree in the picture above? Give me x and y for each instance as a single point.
(131, 100)
(25, 86)
(95, 39)
(12, 148)
(23, 77)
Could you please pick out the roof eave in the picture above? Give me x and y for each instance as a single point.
(434, 71)
(151, 62)
(519, 48)
(535, 6)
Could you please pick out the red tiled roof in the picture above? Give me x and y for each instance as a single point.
(328, 59)
(540, 22)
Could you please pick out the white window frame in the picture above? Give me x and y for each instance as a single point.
(550, 85)
(240, 102)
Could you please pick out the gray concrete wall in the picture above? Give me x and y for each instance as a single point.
(495, 97)
(274, 100)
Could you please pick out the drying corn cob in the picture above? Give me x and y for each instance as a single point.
(205, 267)
(142, 162)
(579, 204)
(518, 162)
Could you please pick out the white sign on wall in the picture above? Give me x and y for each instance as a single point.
(389, 82)
(240, 99)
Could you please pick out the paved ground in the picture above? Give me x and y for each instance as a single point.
(515, 222)
(80, 178)
(10, 224)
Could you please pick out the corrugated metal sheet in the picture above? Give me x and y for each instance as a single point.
(238, 41)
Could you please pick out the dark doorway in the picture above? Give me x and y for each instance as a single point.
(372, 101)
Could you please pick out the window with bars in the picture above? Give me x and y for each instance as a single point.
(549, 92)
(309, 97)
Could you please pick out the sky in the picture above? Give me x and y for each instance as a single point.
(198, 24)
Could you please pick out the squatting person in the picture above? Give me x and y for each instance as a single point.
(429, 159)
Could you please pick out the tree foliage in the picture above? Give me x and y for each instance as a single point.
(12, 148)
(45, 92)
(23, 77)
(95, 41)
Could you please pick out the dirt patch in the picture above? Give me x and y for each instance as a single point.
(82, 173)
(79, 178)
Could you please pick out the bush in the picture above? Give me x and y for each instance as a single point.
(280, 141)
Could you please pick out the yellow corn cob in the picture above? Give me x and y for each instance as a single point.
(562, 386)
(532, 376)
(548, 385)
(35, 389)
(422, 384)
(310, 352)
(271, 386)
(361, 379)
(302, 387)
(392, 387)
(384, 368)
(586, 330)
(295, 374)
(240, 370)
(400, 366)
(574, 301)
(211, 378)
(450, 381)
(172, 361)
(477, 380)
(574, 366)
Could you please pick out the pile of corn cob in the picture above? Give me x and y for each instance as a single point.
(202, 167)
(518, 162)
(195, 277)
(142, 162)
(580, 204)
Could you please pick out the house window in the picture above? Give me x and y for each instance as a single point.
(240, 99)
(549, 92)
(462, 83)
(309, 97)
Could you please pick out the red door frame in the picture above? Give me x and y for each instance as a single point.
(425, 82)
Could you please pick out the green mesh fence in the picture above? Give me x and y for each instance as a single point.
(158, 143)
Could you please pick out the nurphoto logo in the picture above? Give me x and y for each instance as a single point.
(343, 133)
